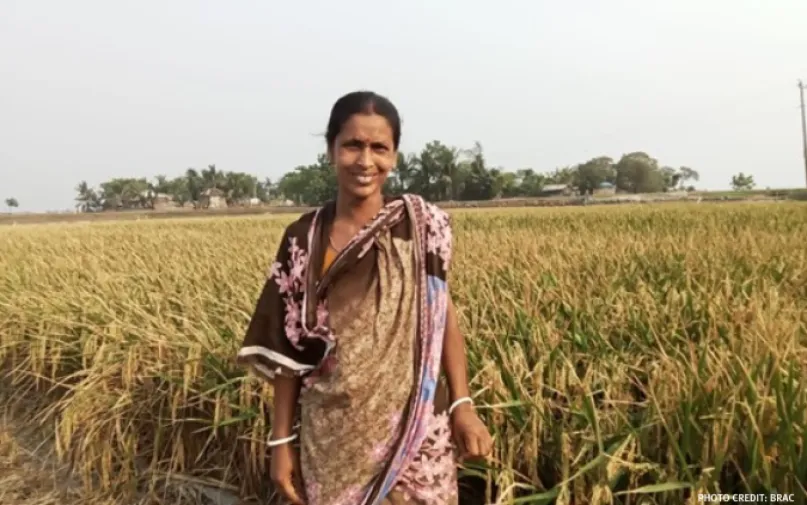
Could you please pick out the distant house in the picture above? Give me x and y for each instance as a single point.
(556, 190)
(213, 198)
(157, 201)
(114, 202)
(605, 189)
(249, 202)
(163, 201)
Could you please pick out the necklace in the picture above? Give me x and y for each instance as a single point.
(330, 244)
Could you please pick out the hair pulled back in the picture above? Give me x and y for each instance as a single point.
(362, 102)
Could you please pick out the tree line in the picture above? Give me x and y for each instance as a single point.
(438, 172)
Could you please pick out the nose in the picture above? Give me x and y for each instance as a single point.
(365, 158)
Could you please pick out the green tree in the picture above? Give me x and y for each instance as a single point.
(399, 180)
(195, 184)
(125, 193)
(509, 184)
(12, 203)
(742, 182)
(591, 174)
(87, 199)
(310, 185)
(266, 191)
(473, 180)
(239, 186)
(438, 172)
(687, 175)
(670, 176)
(161, 184)
(212, 178)
(637, 172)
(564, 175)
(530, 183)
(678, 178)
(179, 189)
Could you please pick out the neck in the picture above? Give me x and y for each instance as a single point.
(358, 211)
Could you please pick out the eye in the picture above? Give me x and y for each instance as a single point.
(352, 144)
(379, 147)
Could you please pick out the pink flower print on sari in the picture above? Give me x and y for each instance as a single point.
(312, 491)
(298, 261)
(351, 496)
(439, 238)
(289, 279)
(294, 330)
(295, 251)
(321, 329)
(286, 284)
(322, 319)
(432, 475)
(274, 270)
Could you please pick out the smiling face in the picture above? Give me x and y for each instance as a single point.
(364, 154)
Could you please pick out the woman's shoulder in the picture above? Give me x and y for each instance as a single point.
(434, 213)
(300, 227)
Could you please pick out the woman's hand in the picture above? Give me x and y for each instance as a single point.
(285, 470)
(470, 434)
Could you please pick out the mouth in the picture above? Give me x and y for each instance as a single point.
(364, 178)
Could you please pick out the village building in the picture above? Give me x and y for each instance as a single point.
(163, 201)
(556, 190)
(213, 198)
(605, 189)
(249, 202)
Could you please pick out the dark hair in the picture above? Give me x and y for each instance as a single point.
(362, 102)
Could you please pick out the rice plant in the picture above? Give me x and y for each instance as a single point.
(620, 354)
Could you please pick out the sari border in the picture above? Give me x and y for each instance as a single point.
(431, 325)
(274, 356)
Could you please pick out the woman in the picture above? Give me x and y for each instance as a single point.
(353, 325)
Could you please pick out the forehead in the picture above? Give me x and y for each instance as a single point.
(370, 127)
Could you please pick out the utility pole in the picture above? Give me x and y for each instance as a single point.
(803, 126)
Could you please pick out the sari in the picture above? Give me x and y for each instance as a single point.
(365, 335)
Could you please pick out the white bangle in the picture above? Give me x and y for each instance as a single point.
(281, 441)
(464, 399)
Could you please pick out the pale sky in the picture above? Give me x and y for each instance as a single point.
(94, 89)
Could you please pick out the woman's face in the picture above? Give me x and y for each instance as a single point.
(363, 154)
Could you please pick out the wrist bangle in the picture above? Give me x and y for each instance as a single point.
(464, 399)
(281, 441)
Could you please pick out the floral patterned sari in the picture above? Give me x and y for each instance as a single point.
(365, 334)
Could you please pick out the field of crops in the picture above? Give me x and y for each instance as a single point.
(619, 353)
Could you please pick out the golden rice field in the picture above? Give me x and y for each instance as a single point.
(625, 354)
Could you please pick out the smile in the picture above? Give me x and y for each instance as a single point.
(364, 178)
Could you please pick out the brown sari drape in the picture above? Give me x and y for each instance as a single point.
(366, 339)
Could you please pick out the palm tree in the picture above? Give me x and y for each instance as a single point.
(87, 199)
(213, 178)
(194, 183)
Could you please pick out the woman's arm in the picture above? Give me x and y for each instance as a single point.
(472, 438)
(287, 391)
(455, 362)
(285, 463)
